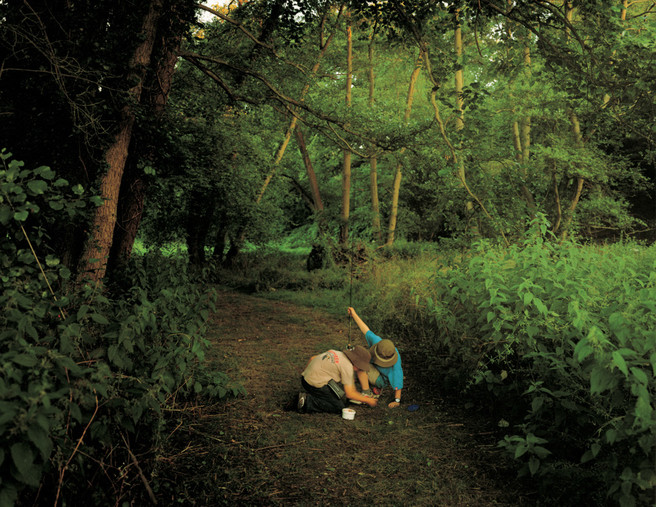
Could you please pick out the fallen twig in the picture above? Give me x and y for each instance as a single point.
(141, 474)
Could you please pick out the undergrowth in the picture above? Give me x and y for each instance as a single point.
(554, 342)
(86, 375)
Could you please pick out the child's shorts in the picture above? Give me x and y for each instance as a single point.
(375, 378)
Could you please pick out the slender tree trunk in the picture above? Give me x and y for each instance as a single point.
(460, 113)
(94, 259)
(199, 218)
(317, 203)
(452, 149)
(373, 158)
(323, 47)
(578, 142)
(398, 174)
(522, 140)
(346, 166)
(459, 75)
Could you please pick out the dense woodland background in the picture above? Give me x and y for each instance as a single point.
(484, 170)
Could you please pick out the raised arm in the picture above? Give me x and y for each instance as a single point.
(363, 327)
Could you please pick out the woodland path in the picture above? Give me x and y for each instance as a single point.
(250, 451)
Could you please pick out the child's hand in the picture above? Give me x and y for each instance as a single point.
(372, 402)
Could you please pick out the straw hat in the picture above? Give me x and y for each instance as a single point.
(359, 356)
(384, 353)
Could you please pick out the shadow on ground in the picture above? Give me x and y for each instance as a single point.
(250, 451)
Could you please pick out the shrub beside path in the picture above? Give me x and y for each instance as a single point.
(250, 451)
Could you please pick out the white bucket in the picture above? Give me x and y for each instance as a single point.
(348, 413)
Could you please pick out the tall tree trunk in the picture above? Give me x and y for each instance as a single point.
(373, 158)
(133, 186)
(460, 113)
(445, 137)
(522, 139)
(398, 174)
(323, 47)
(578, 142)
(317, 203)
(199, 218)
(94, 259)
(346, 166)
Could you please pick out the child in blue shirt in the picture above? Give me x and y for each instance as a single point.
(385, 359)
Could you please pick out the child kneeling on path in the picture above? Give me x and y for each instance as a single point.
(323, 375)
(386, 369)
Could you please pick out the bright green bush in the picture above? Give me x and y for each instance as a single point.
(556, 341)
(85, 375)
(563, 337)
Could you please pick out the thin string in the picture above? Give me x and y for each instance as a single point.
(350, 346)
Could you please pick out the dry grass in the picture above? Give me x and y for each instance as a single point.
(249, 451)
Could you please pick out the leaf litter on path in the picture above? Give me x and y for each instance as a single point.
(256, 453)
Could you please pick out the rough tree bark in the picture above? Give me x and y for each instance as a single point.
(133, 186)
(94, 259)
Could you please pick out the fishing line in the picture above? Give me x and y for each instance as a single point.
(350, 346)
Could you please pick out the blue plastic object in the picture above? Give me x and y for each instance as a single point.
(412, 408)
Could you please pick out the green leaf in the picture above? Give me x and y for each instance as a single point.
(23, 458)
(533, 465)
(78, 189)
(600, 380)
(51, 260)
(99, 319)
(611, 436)
(45, 172)
(542, 308)
(76, 413)
(65, 273)
(640, 375)
(582, 350)
(5, 214)
(21, 216)
(37, 187)
(25, 360)
(40, 439)
(619, 361)
(541, 452)
(520, 450)
(8, 495)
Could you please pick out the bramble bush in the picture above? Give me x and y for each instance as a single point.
(556, 341)
(85, 375)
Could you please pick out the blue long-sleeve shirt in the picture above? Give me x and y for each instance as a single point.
(394, 374)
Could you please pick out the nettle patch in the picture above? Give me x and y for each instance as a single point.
(85, 376)
(563, 338)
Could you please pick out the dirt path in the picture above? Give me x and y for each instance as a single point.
(252, 452)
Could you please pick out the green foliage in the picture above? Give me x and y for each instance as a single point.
(555, 341)
(562, 338)
(83, 372)
(268, 269)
